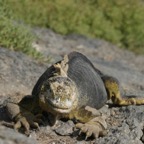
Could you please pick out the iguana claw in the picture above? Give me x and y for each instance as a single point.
(23, 118)
(96, 127)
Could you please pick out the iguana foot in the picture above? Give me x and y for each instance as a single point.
(23, 118)
(131, 101)
(26, 120)
(95, 127)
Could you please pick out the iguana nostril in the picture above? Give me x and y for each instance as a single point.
(58, 99)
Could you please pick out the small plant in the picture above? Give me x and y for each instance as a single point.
(15, 36)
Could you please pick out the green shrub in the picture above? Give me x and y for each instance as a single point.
(14, 35)
(118, 21)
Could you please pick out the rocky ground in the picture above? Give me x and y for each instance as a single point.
(19, 73)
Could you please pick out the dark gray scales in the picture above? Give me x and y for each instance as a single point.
(90, 86)
(44, 77)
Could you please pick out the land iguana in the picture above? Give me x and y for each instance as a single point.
(70, 89)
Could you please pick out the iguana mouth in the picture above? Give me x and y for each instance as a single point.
(58, 108)
(49, 105)
(59, 104)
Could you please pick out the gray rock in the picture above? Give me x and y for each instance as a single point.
(18, 73)
(65, 128)
(9, 136)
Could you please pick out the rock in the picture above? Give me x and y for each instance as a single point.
(18, 73)
(9, 136)
(65, 128)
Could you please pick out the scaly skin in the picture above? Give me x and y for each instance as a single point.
(113, 92)
(69, 89)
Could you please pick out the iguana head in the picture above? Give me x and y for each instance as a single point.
(59, 94)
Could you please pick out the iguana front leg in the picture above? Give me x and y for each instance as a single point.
(92, 122)
(23, 117)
